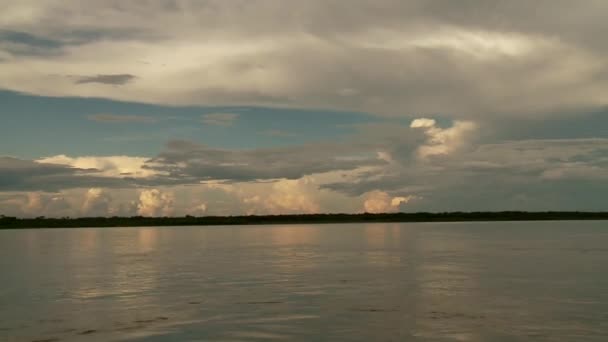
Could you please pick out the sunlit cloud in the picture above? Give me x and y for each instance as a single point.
(382, 202)
(111, 166)
(440, 140)
(155, 203)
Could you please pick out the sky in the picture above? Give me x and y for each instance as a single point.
(230, 107)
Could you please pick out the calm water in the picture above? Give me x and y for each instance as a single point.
(543, 281)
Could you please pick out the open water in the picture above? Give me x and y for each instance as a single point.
(524, 281)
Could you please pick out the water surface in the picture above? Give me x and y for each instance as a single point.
(525, 281)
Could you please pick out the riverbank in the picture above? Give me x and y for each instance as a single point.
(138, 221)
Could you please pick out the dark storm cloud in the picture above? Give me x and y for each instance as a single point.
(524, 175)
(184, 162)
(26, 175)
(190, 161)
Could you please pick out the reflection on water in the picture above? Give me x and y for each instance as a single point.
(447, 278)
(294, 235)
(147, 239)
(383, 241)
(359, 282)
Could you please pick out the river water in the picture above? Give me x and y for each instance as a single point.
(507, 281)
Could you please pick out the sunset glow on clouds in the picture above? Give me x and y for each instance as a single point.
(267, 107)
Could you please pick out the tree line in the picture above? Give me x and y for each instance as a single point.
(8, 222)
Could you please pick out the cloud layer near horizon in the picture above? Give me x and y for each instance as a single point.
(436, 169)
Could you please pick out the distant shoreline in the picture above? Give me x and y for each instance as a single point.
(138, 221)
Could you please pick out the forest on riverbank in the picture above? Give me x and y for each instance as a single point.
(7, 222)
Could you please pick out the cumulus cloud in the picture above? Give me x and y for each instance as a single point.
(540, 174)
(35, 204)
(426, 164)
(494, 176)
(283, 196)
(199, 209)
(286, 197)
(155, 203)
(96, 203)
(443, 141)
(382, 202)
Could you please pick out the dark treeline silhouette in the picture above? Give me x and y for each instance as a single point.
(7, 222)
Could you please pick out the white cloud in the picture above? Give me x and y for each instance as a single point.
(397, 201)
(381, 202)
(96, 203)
(278, 197)
(34, 203)
(443, 141)
(199, 209)
(292, 196)
(110, 166)
(155, 203)
(27, 175)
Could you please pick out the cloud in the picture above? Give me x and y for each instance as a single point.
(381, 202)
(34, 204)
(96, 203)
(198, 210)
(219, 119)
(15, 43)
(109, 166)
(191, 162)
(114, 79)
(184, 162)
(428, 163)
(27, 39)
(493, 176)
(443, 141)
(155, 203)
(25, 175)
(468, 61)
(113, 118)
(540, 174)
(285, 197)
